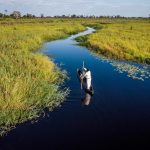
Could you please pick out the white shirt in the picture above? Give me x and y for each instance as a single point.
(88, 75)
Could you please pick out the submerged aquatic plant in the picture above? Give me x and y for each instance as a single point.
(132, 70)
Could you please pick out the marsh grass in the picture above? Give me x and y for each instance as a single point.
(29, 82)
(121, 42)
(126, 40)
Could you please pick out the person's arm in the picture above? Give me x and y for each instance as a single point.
(82, 76)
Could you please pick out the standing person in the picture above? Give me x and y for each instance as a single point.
(86, 73)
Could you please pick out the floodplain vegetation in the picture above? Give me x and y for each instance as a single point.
(121, 39)
(125, 44)
(29, 81)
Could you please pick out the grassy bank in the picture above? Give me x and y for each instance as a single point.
(121, 39)
(29, 82)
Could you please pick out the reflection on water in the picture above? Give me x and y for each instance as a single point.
(86, 100)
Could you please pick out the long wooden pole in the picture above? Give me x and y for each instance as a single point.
(83, 65)
(81, 79)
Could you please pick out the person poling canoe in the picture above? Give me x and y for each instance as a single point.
(85, 78)
(86, 73)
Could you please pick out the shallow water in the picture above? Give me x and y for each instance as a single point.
(117, 116)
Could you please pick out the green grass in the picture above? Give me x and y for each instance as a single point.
(29, 82)
(126, 40)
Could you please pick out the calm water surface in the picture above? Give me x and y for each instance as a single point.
(118, 114)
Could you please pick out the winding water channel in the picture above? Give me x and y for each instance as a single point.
(117, 115)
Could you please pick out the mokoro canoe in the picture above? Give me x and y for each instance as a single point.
(89, 91)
